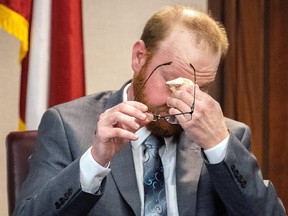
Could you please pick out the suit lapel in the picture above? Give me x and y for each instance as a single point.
(123, 172)
(122, 165)
(188, 169)
(116, 97)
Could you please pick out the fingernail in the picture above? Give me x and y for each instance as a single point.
(143, 116)
(149, 116)
(136, 125)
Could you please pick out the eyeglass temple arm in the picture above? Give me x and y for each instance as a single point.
(193, 105)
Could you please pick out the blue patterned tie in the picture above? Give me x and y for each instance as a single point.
(154, 186)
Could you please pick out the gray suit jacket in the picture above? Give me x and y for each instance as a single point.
(232, 187)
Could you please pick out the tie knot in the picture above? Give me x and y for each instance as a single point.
(153, 141)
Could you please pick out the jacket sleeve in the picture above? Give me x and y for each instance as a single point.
(239, 182)
(53, 183)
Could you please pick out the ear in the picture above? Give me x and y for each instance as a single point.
(139, 55)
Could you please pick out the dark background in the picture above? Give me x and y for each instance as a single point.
(252, 81)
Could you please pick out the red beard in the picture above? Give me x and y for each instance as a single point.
(161, 127)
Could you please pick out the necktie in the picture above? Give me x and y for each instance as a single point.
(154, 186)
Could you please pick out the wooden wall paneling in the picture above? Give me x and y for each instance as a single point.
(249, 73)
(277, 96)
(216, 90)
(242, 87)
(254, 89)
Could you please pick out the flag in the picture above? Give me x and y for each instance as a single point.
(14, 19)
(56, 61)
(35, 102)
(67, 79)
(53, 71)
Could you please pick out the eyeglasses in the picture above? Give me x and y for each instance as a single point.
(177, 118)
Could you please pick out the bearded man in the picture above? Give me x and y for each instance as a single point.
(158, 146)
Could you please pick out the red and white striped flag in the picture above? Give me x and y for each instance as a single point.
(53, 72)
(15, 18)
(58, 57)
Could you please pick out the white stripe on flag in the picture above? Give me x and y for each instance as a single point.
(39, 58)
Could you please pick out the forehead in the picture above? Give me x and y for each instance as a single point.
(182, 47)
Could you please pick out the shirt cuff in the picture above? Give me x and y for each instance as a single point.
(91, 173)
(217, 153)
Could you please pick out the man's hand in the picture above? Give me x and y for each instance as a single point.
(207, 127)
(116, 126)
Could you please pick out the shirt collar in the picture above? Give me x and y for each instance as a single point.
(142, 133)
(125, 93)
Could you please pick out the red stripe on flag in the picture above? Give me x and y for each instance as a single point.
(23, 89)
(67, 79)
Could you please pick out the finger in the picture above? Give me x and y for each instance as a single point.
(125, 115)
(106, 134)
(187, 94)
(131, 108)
(183, 95)
(181, 116)
(119, 119)
(181, 100)
(120, 133)
(149, 118)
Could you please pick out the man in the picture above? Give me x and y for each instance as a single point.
(90, 152)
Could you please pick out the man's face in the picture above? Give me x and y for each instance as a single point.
(160, 127)
(182, 48)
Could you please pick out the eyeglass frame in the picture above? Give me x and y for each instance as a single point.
(157, 117)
